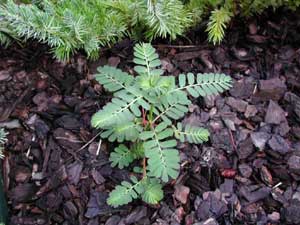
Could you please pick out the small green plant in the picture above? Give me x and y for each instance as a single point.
(142, 112)
(3, 208)
(3, 139)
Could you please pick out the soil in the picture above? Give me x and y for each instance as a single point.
(56, 170)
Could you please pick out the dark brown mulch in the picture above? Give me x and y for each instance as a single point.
(248, 173)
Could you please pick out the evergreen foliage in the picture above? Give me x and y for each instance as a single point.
(218, 21)
(166, 18)
(3, 139)
(70, 25)
(66, 26)
(221, 12)
(142, 111)
(3, 205)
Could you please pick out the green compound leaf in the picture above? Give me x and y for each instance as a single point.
(153, 192)
(203, 84)
(127, 131)
(126, 192)
(113, 79)
(121, 157)
(191, 134)
(149, 189)
(163, 158)
(172, 107)
(118, 111)
(156, 85)
(147, 60)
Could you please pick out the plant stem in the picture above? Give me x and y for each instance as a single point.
(144, 168)
(148, 127)
(150, 116)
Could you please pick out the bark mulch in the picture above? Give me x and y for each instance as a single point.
(56, 169)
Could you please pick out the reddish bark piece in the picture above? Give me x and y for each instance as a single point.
(182, 193)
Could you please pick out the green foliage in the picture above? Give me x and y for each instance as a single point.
(166, 17)
(221, 12)
(126, 192)
(203, 84)
(4, 38)
(3, 207)
(173, 106)
(3, 139)
(142, 111)
(150, 190)
(123, 132)
(190, 133)
(218, 20)
(70, 25)
(113, 79)
(250, 7)
(121, 156)
(6, 33)
(3, 204)
(66, 26)
(163, 158)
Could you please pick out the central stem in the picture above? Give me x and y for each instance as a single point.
(144, 168)
(148, 127)
(150, 116)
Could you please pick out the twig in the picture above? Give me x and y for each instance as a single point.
(178, 46)
(89, 142)
(68, 139)
(99, 146)
(232, 140)
(83, 147)
(8, 111)
(28, 152)
(277, 185)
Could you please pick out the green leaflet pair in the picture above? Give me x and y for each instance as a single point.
(142, 112)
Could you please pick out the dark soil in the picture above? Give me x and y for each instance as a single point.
(248, 173)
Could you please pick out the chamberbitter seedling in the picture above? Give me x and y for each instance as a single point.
(142, 111)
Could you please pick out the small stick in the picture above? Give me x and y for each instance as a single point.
(232, 139)
(84, 146)
(8, 111)
(89, 142)
(178, 46)
(99, 146)
(277, 185)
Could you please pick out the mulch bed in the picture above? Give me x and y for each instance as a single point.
(56, 170)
